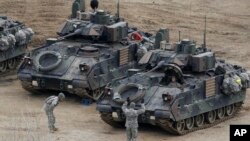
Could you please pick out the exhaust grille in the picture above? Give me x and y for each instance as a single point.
(124, 56)
(210, 87)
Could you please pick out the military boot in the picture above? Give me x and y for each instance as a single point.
(55, 129)
(51, 130)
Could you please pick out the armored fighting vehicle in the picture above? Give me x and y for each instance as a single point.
(14, 38)
(91, 50)
(186, 88)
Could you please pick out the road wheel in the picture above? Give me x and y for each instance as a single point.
(12, 63)
(199, 120)
(230, 110)
(3, 66)
(220, 113)
(189, 123)
(179, 126)
(211, 116)
(107, 118)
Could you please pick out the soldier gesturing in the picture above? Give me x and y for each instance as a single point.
(132, 118)
(49, 105)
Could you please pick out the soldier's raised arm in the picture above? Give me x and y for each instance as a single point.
(124, 107)
(143, 109)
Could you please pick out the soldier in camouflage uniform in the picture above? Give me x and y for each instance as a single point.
(132, 118)
(49, 105)
(174, 83)
(75, 8)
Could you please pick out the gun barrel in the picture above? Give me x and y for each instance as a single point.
(78, 31)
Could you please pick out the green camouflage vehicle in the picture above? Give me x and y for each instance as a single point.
(91, 50)
(185, 89)
(14, 38)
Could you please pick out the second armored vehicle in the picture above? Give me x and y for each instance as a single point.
(92, 49)
(185, 89)
(14, 38)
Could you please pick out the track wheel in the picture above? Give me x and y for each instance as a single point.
(107, 117)
(3, 66)
(199, 120)
(211, 116)
(230, 110)
(189, 123)
(12, 63)
(179, 126)
(220, 113)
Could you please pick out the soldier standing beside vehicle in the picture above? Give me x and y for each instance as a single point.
(132, 118)
(49, 106)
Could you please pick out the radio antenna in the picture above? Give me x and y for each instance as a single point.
(118, 9)
(179, 35)
(205, 34)
(205, 28)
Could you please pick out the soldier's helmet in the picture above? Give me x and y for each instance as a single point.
(132, 105)
(61, 96)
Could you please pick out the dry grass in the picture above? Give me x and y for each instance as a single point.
(22, 125)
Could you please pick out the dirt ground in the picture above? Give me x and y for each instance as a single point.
(21, 115)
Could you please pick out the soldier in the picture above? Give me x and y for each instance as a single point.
(75, 8)
(174, 83)
(94, 4)
(49, 105)
(132, 118)
(141, 52)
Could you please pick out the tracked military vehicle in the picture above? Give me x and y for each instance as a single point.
(91, 50)
(14, 38)
(185, 89)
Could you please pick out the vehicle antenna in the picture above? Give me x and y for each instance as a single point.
(205, 34)
(118, 9)
(179, 35)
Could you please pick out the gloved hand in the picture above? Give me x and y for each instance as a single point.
(142, 101)
(128, 101)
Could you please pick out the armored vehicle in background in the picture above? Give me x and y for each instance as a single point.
(14, 38)
(184, 90)
(91, 50)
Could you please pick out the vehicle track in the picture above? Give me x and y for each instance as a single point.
(168, 126)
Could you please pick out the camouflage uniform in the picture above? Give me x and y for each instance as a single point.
(174, 83)
(49, 105)
(132, 120)
(141, 52)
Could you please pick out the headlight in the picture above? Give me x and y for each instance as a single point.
(28, 60)
(167, 97)
(83, 67)
(70, 86)
(152, 117)
(115, 115)
(34, 83)
(108, 91)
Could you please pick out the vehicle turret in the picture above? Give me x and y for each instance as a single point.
(92, 49)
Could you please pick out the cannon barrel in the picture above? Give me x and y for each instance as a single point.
(77, 32)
